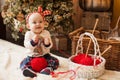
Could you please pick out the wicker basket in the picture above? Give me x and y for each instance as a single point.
(112, 56)
(86, 71)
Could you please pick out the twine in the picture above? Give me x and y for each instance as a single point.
(65, 73)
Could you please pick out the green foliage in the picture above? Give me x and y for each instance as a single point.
(15, 11)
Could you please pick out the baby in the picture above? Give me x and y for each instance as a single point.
(38, 41)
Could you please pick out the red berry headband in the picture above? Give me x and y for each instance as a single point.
(42, 13)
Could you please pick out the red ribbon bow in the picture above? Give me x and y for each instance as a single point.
(40, 10)
(43, 13)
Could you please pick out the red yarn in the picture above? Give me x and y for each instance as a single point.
(77, 58)
(83, 59)
(38, 64)
(98, 61)
(86, 61)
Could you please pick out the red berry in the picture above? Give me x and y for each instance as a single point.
(20, 29)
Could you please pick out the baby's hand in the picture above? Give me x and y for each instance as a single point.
(35, 38)
(46, 41)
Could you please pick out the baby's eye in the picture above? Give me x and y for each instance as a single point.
(40, 22)
(34, 22)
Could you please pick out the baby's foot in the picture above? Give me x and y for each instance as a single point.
(46, 71)
(29, 73)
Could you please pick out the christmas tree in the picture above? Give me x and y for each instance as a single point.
(14, 13)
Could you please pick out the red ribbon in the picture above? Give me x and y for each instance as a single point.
(40, 10)
(43, 13)
(55, 75)
(65, 73)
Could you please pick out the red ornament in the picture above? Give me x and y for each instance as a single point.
(38, 64)
(20, 29)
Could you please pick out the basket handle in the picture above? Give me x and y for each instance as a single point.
(96, 46)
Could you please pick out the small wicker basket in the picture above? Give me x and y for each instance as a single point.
(86, 71)
(112, 56)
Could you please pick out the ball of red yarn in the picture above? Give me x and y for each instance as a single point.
(78, 57)
(38, 64)
(98, 61)
(86, 61)
(83, 59)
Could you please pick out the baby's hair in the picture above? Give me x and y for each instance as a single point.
(40, 11)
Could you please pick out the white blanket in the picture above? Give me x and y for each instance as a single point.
(11, 55)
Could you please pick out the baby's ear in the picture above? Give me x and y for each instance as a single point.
(27, 25)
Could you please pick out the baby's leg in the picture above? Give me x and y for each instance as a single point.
(52, 61)
(25, 66)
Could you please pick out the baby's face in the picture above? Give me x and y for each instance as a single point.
(36, 23)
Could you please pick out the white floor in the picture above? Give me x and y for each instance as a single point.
(11, 56)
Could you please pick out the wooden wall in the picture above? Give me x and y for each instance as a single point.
(116, 13)
(77, 14)
(78, 17)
